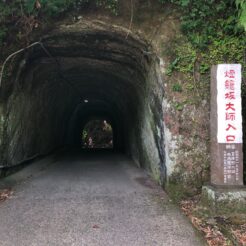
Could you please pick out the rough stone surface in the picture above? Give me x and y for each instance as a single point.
(221, 199)
(91, 200)
(92, 61)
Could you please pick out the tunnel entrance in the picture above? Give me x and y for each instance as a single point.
(80, 71)
(97, 134)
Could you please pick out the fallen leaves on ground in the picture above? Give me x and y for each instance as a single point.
(5, 194)
(212, 234)
(240, 234)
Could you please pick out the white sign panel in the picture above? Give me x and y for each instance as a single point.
(229, 106)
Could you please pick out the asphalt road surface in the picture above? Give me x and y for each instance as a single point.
(90, 199)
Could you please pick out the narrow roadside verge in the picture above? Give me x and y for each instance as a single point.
(8, 183)
(218, 230)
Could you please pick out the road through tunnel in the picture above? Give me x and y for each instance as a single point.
(78, 73)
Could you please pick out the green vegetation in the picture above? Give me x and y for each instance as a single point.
(202, 21)
(177, 87)
(241, 7)
(97, 134)
(213, 33)
(23, 16)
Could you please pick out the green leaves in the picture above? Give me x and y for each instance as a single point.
(112, 5)
(28, 12)
(185, 3)
(202, 21)
(177, 87)
(29, 5)
(172, 66)
(3, 32)
(241, 6)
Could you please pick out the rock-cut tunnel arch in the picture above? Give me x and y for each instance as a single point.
(82, 71)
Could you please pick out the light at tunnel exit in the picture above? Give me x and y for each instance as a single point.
(97, 134)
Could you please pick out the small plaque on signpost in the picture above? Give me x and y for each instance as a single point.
(226, 125)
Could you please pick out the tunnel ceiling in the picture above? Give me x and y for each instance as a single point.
(77, 72)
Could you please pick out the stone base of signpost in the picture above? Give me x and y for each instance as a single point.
(221, 199)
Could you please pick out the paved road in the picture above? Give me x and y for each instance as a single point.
(90, 200)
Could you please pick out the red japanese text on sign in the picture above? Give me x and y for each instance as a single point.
(229, 103)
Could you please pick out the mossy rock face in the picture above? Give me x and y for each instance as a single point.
(175, 191)
(182, 189)
(224, 200)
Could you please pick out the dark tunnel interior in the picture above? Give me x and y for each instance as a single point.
(57, 86)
